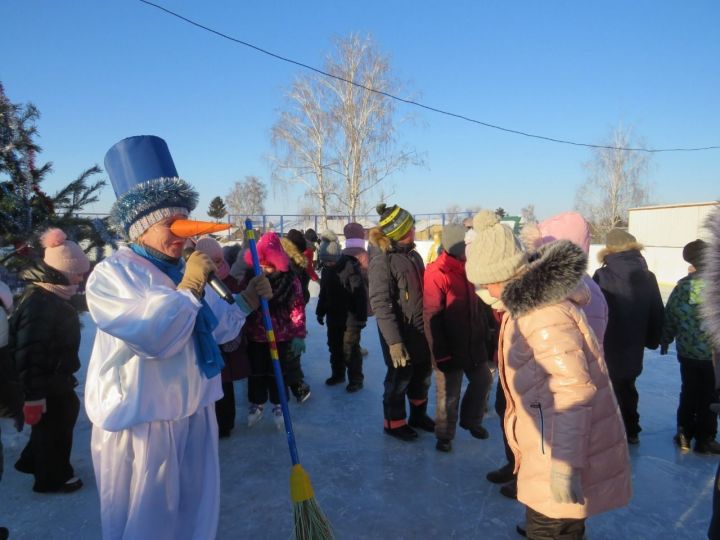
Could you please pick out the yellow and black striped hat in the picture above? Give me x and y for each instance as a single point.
(395, 222)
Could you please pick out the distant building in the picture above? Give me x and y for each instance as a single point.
(664, 230)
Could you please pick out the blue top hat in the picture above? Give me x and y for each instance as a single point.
(138, 159)
(146, 184)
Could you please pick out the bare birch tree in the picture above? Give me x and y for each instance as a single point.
(302, 137)
(247, 198)
(337, 139)
(615, 183)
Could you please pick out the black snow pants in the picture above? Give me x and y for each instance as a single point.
(344, 346)
(261, 382)
(697, 392)
(47, 454)
(412, 381)
(627, 398)
(541, 527)
(448, 387)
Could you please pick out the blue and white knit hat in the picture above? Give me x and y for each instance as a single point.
(146, 185)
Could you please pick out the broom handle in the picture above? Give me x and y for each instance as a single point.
(272, 343)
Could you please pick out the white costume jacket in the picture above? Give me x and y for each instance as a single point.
(143, 365)
(155, 439)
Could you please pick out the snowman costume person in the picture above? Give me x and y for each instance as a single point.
(153, 376)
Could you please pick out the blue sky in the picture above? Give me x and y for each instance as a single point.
(102, 71)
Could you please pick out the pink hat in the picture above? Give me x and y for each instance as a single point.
(210, 247)
(566, 226)
(270, 252)
(62, 254)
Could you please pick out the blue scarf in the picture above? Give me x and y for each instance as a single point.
(206, 349)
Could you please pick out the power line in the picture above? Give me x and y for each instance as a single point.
(416, 103)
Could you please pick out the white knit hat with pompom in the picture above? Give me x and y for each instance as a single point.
(62, 254)
(495, 254)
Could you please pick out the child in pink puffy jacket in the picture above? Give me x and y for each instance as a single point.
(562, 419)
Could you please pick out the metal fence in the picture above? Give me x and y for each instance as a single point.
(425, 224)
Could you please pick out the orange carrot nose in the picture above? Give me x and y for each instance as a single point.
(185, 228)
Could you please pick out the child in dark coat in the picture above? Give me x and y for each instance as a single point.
(635, 319)
(343, 305)
(694, 352)
(396, 296)
(44, 340)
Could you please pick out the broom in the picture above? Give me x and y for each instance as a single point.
(310, 521)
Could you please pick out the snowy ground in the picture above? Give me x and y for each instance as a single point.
(375, 487)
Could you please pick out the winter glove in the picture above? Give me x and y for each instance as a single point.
(197, 268)
(444, 364)
(321, 320)
(297, 346)
(399, 355)
(258, 287)
(33, 411)
(565, 484)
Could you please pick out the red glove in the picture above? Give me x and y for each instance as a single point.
(33, 411)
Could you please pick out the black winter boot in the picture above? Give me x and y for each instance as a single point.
(419, 418)
(509, 490)
(443, 445)
(335, 378)
(502, 475)
(708, 446)
(404, 433)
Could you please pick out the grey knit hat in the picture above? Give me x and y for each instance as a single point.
(453, 240)
(495, 254)
(329, 250)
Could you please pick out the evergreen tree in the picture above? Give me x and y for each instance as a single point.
(25, 209)
(217, 209)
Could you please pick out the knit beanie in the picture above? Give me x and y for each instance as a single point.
(693, 252)
(495, 255)
(566, 226)
(298, 239)
(210, 247)
(270, 253)
(62, 254)
(453, 240)
(618, 238)
(354, 230)
(395, 222)
(329, 250)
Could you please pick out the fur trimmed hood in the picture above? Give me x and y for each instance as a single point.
(379, 240)
(293, 252)
(630, 246)
(552, 274)
(710, 274)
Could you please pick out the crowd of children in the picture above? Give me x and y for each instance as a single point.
(567, 349)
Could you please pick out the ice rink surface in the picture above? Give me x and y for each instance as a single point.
(375, 487)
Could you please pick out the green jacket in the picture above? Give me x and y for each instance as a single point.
(683, 322)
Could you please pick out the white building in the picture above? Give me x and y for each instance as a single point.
(664, 230)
